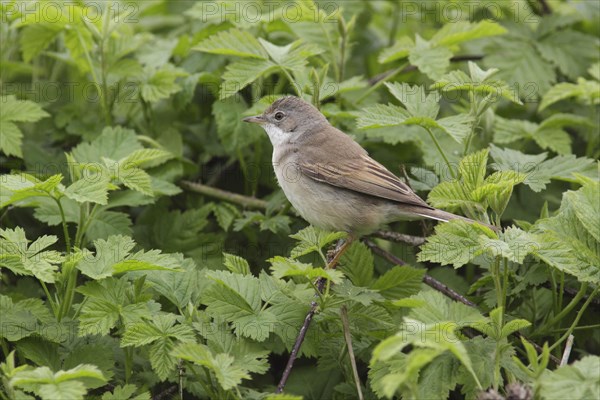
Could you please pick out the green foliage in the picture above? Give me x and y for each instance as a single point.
(121, 281)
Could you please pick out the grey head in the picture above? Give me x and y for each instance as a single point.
(288, 118)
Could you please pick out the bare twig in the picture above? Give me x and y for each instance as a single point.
(400, 237)
(568, 346)
(332, 260)
(348, 338)
(244, 201)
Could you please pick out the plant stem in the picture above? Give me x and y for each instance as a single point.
(128, 363)
(568, 308)
(437, 144)
(64, 225)
(52, 303)
(575, 322)
(292, 81)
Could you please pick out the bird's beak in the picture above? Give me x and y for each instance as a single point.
(257, 119)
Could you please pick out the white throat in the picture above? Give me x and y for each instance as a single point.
(276, 135)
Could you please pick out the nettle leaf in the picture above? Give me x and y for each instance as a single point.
(399, 282)
(584, 91)
(357, 264)
(161, 334)
(72, 384)
(537, 170)
(108, 302)
(113, 143)
(430, 59)
(233, 43)
(109, 223)
(237, 299)
(233, 133)
(236, 264)
(557, 48)
(240, 74)
(229, 374)
(462, 31)
(414, 98)
(577, 381)
(566, 242)
(286, 267)
(11, 111)
(381, 115)
(313, 240)
(159, 84)
(91, 187)
(400, 49)
(478, 82)
(125, 392)
(456, 242)
(18, 187)
(29, 259)
(24, 318)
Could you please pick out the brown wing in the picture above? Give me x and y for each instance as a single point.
(362, 174)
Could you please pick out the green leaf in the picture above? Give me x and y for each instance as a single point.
(19, 187)
(576, 381)
(236, 264)
(92, 187)
(33, 259)
(146, 158)
(68, 385)
(399, 282)
(565, 243)
(160, 84)
(234, 134)
(125, 392)
(285, 267)
(432, 60)
(381, 115)
(313, 239)
(233, 43)
(586, 203)
(161, 334)
(400, 49)
(558, 48)
(11, 111)
(109, 223)
(228, 373)
(240, 74)
(461, 31)
(584, 91)
(519, 63)
(455, 242)
(513, 326)
(357, 264)
(108, 253)
(113, 143)
(414, 98)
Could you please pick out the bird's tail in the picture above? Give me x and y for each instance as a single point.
(440, 215)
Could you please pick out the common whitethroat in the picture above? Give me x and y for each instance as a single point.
(330, 179)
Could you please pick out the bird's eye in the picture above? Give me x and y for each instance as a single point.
(279, 115)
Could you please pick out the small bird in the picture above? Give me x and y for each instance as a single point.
(330, 179)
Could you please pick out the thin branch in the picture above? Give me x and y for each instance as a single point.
(332, 260)
(439, 286)
(415, 241)
(244, 201)
(565, 357)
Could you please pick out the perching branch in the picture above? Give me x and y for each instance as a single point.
(244, 201)
(400, 237)
(332, 260)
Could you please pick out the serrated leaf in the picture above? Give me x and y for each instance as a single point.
(113, 143)
(414, 98)
(240, 74)
(455, 242)
(145, 158)
(357, 264)
(400, 49)
(11, 111)
(236, 264)
(433, 61)
(558, 48)
(284, 267)
(585, 92)
(313, 239)
(399, 282)
(576, 381)
(381, 115)
(91, 187)
(233, 43)
(461, 31)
